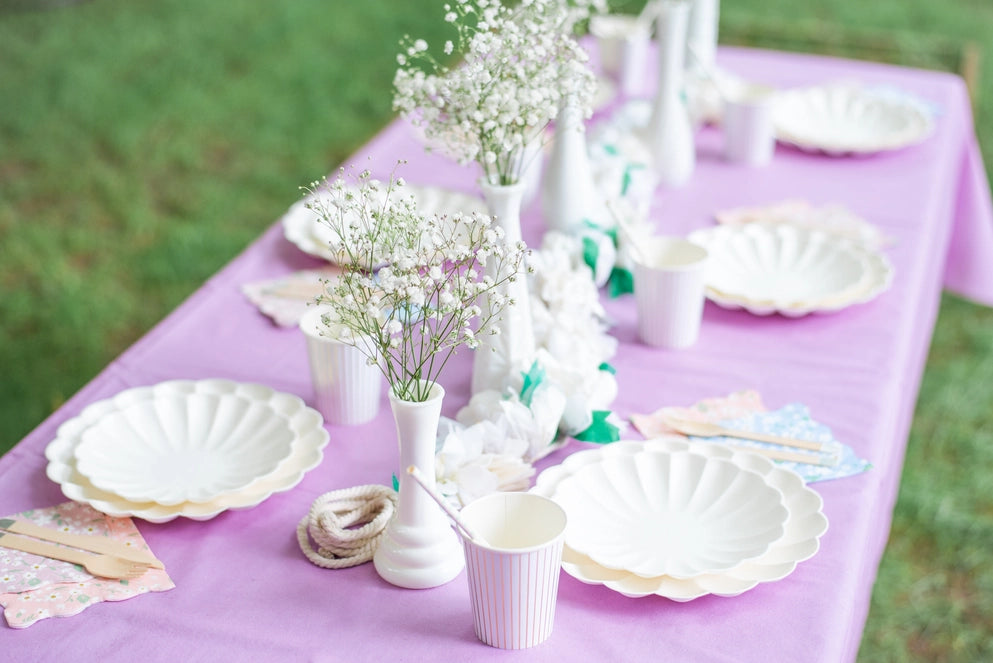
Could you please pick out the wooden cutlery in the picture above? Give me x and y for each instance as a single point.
(96, 544)
(706, 429)
(104, 566)
(99, 555)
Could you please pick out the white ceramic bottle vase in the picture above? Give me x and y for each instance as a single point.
(499, 356)
(669, 133)
(419, 548)
(701, 39)
(569, 194)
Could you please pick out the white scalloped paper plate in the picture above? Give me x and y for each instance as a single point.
(673, 513)
(794, 270)
(303, 228)
(841, 120)
(177, 448)
(306, 453)
(800, 541)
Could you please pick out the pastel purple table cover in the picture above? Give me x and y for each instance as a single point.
(245, 592)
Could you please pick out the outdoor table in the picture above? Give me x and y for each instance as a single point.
(245, 592)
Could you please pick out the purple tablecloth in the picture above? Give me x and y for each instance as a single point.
(245, 592)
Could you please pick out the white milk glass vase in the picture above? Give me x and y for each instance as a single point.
(569, 193)
(512, 346)
(532, 164)
(419, 548)
(701, 34)
(669, 133)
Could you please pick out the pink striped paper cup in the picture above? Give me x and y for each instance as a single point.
(514, 575)
(669, 291)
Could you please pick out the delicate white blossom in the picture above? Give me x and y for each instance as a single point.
(427, 297)
(517, 62)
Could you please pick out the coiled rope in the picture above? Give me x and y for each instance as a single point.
(346, 525)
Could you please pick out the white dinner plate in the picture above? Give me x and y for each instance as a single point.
(845, 119)
(800, 541)
(674, 513)
(176, 448)
(789, 269)
(310, 438)
(304, 228)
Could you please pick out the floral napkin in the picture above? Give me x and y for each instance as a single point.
(744, 411)
(286, 299)
(34, 588)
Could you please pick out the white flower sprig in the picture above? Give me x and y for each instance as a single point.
(517, 64)
(432, 295)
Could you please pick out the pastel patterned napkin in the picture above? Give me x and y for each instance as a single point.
(744, 411)
(286, 299)
(33, 588)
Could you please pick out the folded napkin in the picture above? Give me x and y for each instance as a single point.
(286, 298)
(744, 411)
(33, 587)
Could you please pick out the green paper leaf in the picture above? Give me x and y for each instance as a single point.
(591, 252)
(600, 431)
(534, 377)
(607, 367)
(621, 282)
(396, 483)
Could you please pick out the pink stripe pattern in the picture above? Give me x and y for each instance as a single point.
(513, 594)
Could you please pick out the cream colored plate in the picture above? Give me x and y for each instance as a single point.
(789, 269)
(800, 541)
(673, 513)
(843, 119)
(303, 228)
(176, 448)
(310, 438)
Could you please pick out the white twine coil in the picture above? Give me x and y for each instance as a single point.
(332, 522)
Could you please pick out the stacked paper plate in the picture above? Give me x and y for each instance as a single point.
(846, 119)
(303, 227)
(681, 520)
(789, 269)
(185, 448)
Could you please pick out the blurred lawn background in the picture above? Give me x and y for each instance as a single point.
(145, 143)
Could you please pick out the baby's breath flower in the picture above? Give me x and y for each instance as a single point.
(517, 61)
(413, 312)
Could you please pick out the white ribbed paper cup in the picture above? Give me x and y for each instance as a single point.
(514, 576)
(346, 387)
(749, 130)
(669, 291)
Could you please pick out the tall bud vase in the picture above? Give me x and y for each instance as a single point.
(701, 34)
(419, 548)
(512, 348)
(670, 132)
(569, 193)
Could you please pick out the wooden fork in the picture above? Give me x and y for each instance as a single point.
(103, 566)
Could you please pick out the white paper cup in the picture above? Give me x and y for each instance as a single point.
(669, 291)
(749, 131)
(623, 45)
(346, 387)
(514, 577)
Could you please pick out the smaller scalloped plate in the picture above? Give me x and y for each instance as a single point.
(800, 541)
(841, 120)
(793, 270)
(310, 438)
(678, 514)
(303, 228)
(184, 448)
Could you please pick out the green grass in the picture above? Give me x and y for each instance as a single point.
(144, 144)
